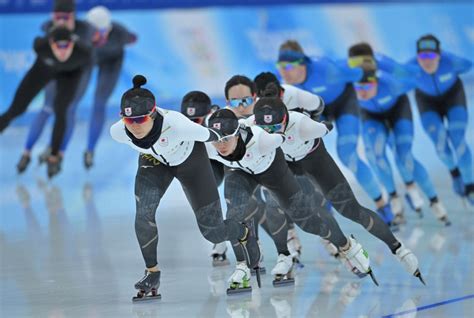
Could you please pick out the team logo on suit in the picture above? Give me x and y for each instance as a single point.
(267, 118)
(163, 141)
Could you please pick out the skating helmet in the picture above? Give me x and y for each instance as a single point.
(137, 101)
(225, 121)
(271, 114)
(195, 104)
(100, 18)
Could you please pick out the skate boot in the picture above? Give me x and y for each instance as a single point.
(283, 271)
(54, 165)
(23, 163)
(470, 193)
(357, 260)
(440, 212)
(43, 157)
(251, 249)
(294, 247)
(409, 261)
(148, 287)
(218, 255)
(396, 204)
(88, 159)
(331, 248)
(414, 199)
(240, 280)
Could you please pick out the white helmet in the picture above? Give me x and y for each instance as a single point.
(100, 18)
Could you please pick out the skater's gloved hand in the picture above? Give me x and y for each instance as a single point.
(328, 125)
(282, 134)
(4, 122)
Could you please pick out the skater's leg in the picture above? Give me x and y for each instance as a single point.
(151, 182)
(457, 125)
(106, 81)
(41, 118)
(320, 165)
(67, 85)
(238, 188)
(198, 182)
(71, 115)
(347, 138)
(281, 182)
(33, 82)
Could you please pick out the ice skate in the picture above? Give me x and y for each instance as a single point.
(396, 205)
(331, 248)
(293, 242)
(357, 260)
(414, 199)
(251, 249)
(23, 163)
(54, 165)
(240, 280)
(440, 212)
(148, 287)
(88, 159)
(458, 186)
(43, 157)
(218, 255)
(409, 261)
(283, 271)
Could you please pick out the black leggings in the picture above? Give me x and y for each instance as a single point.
(282, 184)
(195, 175)
(320, 166)
(34, 81)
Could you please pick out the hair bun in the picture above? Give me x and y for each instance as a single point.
(271, 90)
(138, 80)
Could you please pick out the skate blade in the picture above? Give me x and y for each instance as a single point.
(373, 277)
(283, 282)
(146, 298)
(262, 271)
(219, 263)
(236, 291)
(257, 273)
(418, 275)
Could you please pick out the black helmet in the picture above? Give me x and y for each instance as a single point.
(270, 111)
(262, 82)
(428, 42)
(195, 104)
(225, 121)
(137, 101)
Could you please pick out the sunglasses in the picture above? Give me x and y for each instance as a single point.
(364, 86)
(427, 55)
(288, 66)
(63, 44)
(272, 128)
(359, 60)
(227, 138)
(58, 16)
(245, 102)
(137, 120)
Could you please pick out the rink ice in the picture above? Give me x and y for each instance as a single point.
(68, 249)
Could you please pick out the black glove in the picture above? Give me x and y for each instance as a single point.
(328, 125)
(4, 122)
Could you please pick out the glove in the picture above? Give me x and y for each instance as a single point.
(4, 122)
(282, 134)
(328, 125)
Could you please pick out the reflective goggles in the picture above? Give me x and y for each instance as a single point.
(427, 55)
(288, 66)
(65, 16)
(138, 119)
(272, 128)
(356, 61)
(364, 86)
(62, 44)
(227, 138)
(245, 102)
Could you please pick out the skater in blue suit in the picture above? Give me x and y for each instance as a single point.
(442, 104)
(333, 82)
(386, 113)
